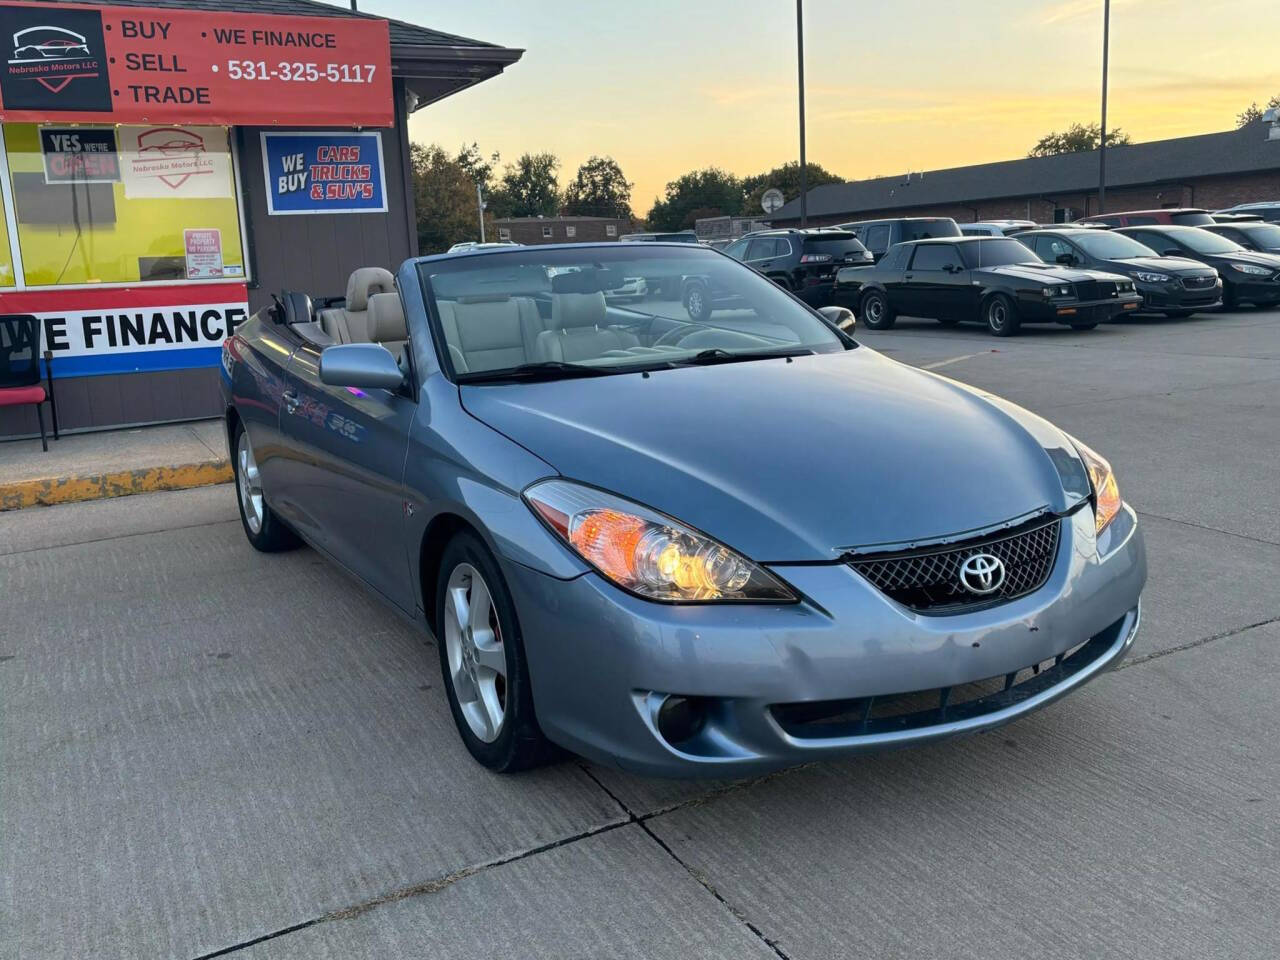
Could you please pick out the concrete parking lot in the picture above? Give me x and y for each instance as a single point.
(205, 751)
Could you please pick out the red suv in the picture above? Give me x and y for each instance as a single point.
(1179, 216)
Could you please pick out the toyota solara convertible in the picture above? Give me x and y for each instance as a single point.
(685, 548)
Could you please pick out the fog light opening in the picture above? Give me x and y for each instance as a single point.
(680, 719)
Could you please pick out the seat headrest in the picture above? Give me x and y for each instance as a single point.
(590, 280)
(571, 310)
(386, 318)
(364, 283)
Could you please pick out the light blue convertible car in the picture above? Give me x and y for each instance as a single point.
(698, 548)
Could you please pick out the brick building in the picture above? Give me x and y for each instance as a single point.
(560, 229)
(1212, 170)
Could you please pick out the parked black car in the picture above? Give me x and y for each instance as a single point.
(1256, 236)
(802, 261)
(879, 236)
(1174, 286)
(999, 281)
(1247, 277)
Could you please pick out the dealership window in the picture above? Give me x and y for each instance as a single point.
(546, 232)
(504, 233)
(101, 204)
(610, 229)
(570, 231)
(7, 277)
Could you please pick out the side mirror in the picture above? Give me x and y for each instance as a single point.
(951, 268)
(360, 365)
(1066, 259)
(842, 317)
(1172, 252)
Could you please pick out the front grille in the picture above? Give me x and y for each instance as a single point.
(928, 580)
(1199, 283)
(1095, 289)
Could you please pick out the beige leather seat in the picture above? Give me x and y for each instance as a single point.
(490, 332)
(577, 329)
(350, 323)
(386, 325)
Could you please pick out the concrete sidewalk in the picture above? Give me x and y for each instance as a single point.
(94, 466)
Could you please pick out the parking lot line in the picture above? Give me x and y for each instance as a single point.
(951, 360)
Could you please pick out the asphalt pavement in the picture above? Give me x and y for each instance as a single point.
(206, 751)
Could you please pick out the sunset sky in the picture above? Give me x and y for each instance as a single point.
(666, 86)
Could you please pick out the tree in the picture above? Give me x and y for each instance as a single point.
(785, 178)
(1076, 138)
(529, 187)
(709, 192)
(1254, 112)
(598, 189)
(477, 167)
(445, 197)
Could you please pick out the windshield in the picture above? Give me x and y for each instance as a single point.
(1263, 234)
(1197, 219)
(996, 252)
(926, 229)
(1202, 241)
(1113, 246)
(612, 308)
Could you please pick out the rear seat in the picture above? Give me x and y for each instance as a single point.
(350, 323)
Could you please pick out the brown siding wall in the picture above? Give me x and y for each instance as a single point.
(317, 253)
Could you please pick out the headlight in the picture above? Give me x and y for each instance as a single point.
(1046, 291)
(1106, 494)
(1250, 269)
(1064, 291)
(1151, 277)
(646, 553)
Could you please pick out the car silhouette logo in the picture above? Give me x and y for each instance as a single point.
(50, 44)
(172, 143)
(982, 573)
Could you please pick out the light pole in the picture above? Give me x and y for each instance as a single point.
(804, 170)
(1102, 140)
(480, 208)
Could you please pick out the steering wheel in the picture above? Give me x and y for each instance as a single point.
(675, 335)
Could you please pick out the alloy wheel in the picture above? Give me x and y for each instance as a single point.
(875, 310)
(997, 314)
(249, 484)
(473, 646)
(695, 302)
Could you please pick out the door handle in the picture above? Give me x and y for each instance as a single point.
(291, 401)
(906, 276)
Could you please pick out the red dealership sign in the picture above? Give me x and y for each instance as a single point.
(73, 62)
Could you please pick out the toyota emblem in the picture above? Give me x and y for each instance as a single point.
(982, 574)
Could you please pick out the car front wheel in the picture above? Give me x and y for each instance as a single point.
(876, 313)
(482, 659)
(1001, 316)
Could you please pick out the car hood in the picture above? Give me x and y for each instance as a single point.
(796, 461)
(1178, 266)
(1049, 273)
(1251, 256)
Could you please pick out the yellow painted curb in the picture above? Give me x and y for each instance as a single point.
(46, 491)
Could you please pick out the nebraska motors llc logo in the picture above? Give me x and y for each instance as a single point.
(56, 60)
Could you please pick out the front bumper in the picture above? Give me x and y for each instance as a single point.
(602, 662)
(1076, 312)
(1263, 291)
(1173, 295)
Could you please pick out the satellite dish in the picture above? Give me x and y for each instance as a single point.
(772, 200)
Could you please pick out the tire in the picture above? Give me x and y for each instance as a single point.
(1001, 315)
(876, 312)
(264, 530)
(697, 302)
(497, 722)
(1178, 314)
